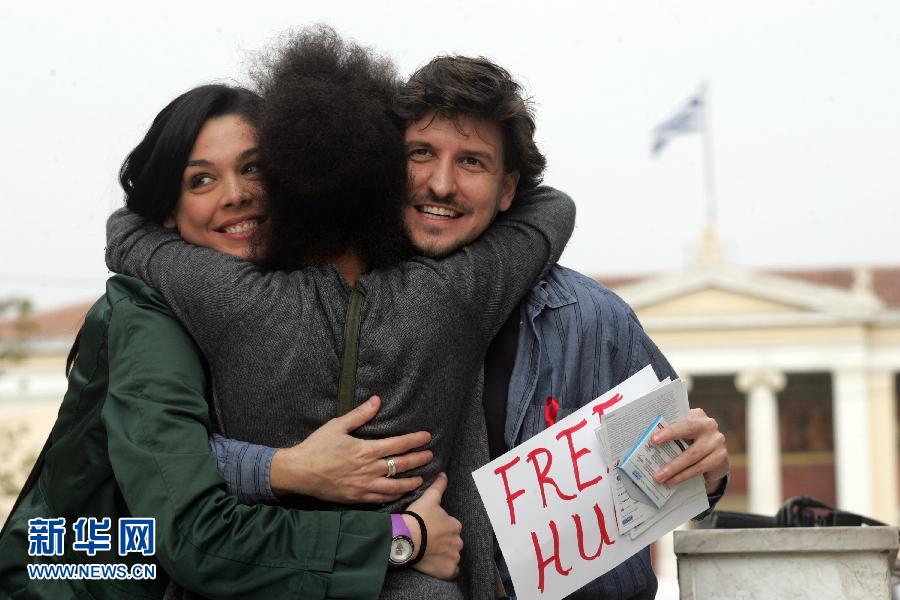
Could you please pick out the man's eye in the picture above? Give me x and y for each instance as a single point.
(199, 180)
(253, 168)
(419, 153)
(471, 161)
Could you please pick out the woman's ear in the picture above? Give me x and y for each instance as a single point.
(170, 223)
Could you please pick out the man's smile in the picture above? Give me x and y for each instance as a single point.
(438, 212)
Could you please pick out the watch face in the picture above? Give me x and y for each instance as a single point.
(401, 549)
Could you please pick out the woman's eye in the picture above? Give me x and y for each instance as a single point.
(419, 153)
(199, 180)
(253, 168)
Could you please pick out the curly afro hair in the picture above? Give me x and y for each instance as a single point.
(333, 152)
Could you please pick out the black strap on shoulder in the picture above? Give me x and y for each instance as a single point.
(347, 385)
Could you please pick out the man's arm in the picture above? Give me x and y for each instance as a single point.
(246, 469)
(330, 464)
(156, 419)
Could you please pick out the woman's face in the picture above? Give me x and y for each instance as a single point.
(221, 191)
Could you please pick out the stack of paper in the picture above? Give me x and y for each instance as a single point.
(623, 427)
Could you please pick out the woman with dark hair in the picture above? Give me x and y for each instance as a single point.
(132, 436)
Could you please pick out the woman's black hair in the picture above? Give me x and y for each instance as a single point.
(152, 172)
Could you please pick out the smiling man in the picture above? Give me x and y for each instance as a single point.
(470, 146)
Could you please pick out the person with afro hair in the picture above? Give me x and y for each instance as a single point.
(334, 155)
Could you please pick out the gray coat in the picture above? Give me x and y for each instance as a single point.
(274, 340)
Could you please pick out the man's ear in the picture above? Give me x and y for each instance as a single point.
(169, 223)
(508, 191)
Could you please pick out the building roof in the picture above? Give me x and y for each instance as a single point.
(885, 280)
(63, 322)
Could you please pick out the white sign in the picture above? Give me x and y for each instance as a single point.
(550, 503)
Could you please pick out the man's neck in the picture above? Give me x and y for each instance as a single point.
(350, 264)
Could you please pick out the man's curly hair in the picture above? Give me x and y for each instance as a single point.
(332, 151)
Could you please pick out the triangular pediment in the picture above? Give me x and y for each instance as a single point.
(726, 292)
(717, 301)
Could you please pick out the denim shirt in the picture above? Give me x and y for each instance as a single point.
(576, 341)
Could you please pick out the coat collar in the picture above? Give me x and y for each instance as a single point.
(550, 292)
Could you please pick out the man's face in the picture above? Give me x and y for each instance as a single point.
(457, 181)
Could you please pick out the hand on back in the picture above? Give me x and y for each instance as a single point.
(334, 466)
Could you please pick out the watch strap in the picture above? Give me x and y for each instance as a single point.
(399, 527)
(424, 541)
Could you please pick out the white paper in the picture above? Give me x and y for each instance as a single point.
(628, 510)
(532, 534)
(626, 422)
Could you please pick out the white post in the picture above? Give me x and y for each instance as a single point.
(763, 438)
(852, 450)
(708, 180)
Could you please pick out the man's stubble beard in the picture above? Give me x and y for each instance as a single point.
(435, 248)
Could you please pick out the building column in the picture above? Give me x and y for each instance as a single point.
(883, 425)
(763, 438)
(852, 450)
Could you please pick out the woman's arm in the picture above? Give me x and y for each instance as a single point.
(206, 289)
(492, 274)
(156, 418)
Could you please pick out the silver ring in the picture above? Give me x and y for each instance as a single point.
(391, 466)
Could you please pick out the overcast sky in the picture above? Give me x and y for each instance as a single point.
(804, 97)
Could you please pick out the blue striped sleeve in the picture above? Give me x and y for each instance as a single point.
(245, 468)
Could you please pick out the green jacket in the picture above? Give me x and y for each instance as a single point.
(131, 439)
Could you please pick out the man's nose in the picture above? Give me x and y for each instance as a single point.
(442, 182)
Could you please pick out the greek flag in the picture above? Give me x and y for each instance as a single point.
(689, 119)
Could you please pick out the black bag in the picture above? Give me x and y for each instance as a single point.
(799, 511)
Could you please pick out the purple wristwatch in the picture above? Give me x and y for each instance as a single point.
(402, 547)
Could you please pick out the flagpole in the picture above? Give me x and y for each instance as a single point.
(708, 182)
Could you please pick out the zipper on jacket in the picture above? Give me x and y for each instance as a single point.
(347, 385)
